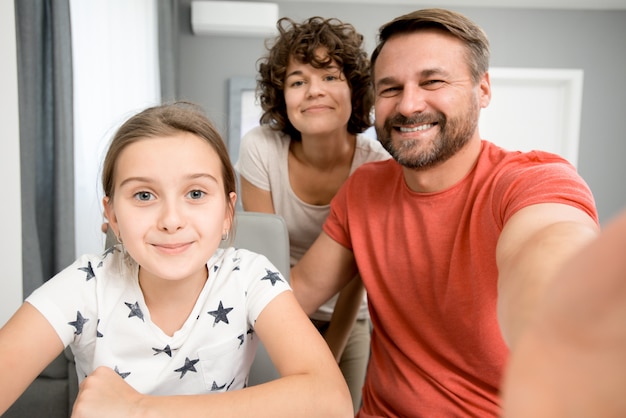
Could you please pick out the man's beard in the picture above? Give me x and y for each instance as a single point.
(453, 134)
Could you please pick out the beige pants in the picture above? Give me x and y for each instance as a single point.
(353, 363)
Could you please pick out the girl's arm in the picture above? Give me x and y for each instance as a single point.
(28, 343)
(311, 384)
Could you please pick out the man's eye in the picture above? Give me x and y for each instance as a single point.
(196, 194)
(389, 92)
(433, 83)
(144, 196)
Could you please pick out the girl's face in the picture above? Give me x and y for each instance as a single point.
(169, 207)
(318, 100)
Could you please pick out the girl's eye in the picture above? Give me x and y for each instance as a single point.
(143, 196)
(196, 194)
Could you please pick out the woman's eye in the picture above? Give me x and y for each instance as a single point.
(144, 196)
(297, 83)
(196, 194)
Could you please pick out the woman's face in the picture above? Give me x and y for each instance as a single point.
(318, 100)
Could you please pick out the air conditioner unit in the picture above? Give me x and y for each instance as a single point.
(235, 18)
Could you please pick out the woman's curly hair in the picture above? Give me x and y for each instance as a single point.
(344, 46)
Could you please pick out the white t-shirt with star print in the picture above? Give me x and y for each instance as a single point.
(97, 308)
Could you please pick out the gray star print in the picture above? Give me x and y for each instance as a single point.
(78, 324)
(188, 367)
(135, 310)
(221, 314)
(272, 276)
(123, 375)
(214, 387)
(88, 270)
(167, 350)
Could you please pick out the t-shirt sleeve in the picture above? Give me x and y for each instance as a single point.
(67, 300)
(265, 282)
(541, 179)
(253, 163)
(336, 224)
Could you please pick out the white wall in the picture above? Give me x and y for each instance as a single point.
(10, 210)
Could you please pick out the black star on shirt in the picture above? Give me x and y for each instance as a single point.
(272, 276)
(88, 270)
(188, 367)
(240, 338)
(167, 350)
(98, 333)
(78, 324)
(214, 387)
(221, 314)
(108, 251)
(123, 375)
(135, 310)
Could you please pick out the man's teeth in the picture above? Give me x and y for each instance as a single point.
(417, 128)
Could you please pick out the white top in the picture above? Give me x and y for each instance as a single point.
(263, 161)
(97, 308)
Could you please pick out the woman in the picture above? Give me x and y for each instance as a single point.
(314, 89)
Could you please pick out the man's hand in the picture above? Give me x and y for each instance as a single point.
(571, 361)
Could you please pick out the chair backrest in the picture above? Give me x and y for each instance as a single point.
(263, 233)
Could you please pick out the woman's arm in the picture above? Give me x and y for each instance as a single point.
(310, 385)
(28, 343)
(254, 199)
(344, 315)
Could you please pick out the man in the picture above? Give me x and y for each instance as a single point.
(455, 238)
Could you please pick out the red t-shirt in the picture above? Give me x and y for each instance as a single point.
(428, 263)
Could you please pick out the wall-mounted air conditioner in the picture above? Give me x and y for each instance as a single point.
(235, 18)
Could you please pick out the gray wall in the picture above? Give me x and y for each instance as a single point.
(591, 40)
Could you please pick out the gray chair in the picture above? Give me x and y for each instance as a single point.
(265, 234)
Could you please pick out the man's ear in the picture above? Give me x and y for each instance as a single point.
(484, 87)
(109, 214)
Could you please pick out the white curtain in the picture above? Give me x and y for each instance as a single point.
(116, 73)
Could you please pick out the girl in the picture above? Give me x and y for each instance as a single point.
(166, 312)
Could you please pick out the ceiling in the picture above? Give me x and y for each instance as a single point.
(526, 4)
